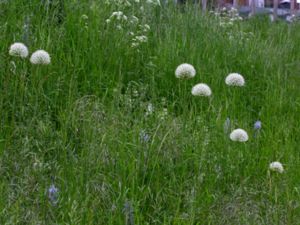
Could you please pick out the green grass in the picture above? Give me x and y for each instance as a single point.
(76, 123)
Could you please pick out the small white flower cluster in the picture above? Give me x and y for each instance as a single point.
(150, 109)
(118, 16)
(227, 17)
(137, 40)
(163, 114)
(160, 111)
(153, 2)
(137, 31)
(38, 57)
(124, 3)
(240, 36)
(129, 3)
(145, 27)
(233, 14)
(141, 35)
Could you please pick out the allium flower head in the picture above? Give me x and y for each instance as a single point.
(235, 79)
(201, 90)
(40, 57)
(276, 166)
(185, 71)
(18, 49)
(257, 125)
(239, 135)
(53, 194)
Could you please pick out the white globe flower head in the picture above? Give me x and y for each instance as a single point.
(201, 90)
(276, 167)
(239, 135)
(18, 49)
(185, 71)
(40, 57)
(235, 79)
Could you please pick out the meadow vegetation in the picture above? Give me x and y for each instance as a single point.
(107, 134)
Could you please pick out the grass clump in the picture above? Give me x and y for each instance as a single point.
(117, 138)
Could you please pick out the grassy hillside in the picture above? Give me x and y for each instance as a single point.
(122, 140)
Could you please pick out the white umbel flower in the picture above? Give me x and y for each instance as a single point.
(18, 49)
(118, 15)
(153, 2)
(239, 135)
(276, 166)
(185, 70)
(201, 90)
(235, 79)
(40, 57)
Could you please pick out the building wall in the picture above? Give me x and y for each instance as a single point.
(267, 2)
(241, 2)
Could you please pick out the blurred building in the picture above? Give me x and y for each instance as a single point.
(263, 3)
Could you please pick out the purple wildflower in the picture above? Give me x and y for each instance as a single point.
(144, 136)
(257, 125)
(129, 213)
(53, 194)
